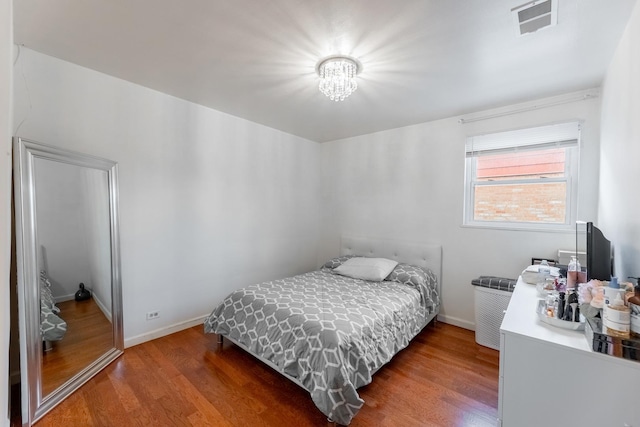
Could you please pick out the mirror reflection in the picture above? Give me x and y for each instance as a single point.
(72, 237)
(68, 270)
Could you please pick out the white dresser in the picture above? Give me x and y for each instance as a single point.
(550, 377)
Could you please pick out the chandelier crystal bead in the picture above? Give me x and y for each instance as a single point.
(338, 77)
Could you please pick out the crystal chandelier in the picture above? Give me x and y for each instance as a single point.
(338, 77)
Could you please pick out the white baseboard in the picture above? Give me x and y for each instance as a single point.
(167, 330)
(455, 321)
(105, 310)
(63, 298)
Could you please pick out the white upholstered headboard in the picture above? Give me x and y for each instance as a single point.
(420, 254)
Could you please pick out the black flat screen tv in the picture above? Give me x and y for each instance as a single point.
(599, 259)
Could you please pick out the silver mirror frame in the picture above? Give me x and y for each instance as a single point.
(34, 404)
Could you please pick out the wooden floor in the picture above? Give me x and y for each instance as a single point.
(442, 379)
(89, 335)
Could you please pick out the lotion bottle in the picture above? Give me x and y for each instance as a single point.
(612, 290)
(616, 317)
(634, 308)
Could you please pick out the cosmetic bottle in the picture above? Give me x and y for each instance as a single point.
(571, 313)
(544, 270)
(576, 307)
(634, 308)
(613, 289)
(573, 270)
(616, 317)
(561, 303)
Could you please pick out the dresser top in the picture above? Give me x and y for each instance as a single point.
(521, 318)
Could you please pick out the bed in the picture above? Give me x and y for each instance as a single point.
(329, 333)
(52, 326)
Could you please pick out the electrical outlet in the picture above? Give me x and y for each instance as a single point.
(153, 315)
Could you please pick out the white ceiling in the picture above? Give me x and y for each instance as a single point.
(422, 59)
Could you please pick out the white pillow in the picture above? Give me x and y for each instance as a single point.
(374, 269)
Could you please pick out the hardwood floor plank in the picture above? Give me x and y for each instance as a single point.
(205, 409)
(440, 406)
(175, 411)
(89, 335)
(154, 408)
(142, 417)
(75, 411)
(125, 394)
(185, 379)
(222, 359)
(232, 402)
(161, 359)
(103, 403)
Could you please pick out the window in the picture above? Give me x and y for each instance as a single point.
(523, 179)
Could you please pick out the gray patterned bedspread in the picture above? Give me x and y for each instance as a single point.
(328, 331)
(52, 327)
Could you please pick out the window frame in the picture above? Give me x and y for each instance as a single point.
(572, 162)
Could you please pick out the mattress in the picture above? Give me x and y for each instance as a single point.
(328, 332)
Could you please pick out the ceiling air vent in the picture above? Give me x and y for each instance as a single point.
(535, 15)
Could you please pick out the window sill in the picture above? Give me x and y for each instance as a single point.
(566, 229)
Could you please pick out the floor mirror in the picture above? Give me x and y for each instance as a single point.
(69, 287)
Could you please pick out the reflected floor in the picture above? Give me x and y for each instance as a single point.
(89, 335)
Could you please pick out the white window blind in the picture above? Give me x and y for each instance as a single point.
(557, 135)
(523, 179)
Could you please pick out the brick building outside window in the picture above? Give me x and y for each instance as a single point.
(524, 178)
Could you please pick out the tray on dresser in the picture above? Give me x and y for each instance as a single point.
(564, 324)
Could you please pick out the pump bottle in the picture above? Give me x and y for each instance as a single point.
(634, 308)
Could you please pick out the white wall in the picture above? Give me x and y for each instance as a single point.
(408, 183)
(6, 75)
(97, 235)
(619, 205)
(61, 226)
(208, 202)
